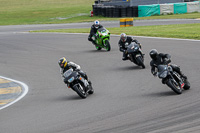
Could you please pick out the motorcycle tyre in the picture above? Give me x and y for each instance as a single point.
(174, 88)
(141, 62)
(80, 92)
(98, 48)
(187, 85)
(108, 48)
(91, 91)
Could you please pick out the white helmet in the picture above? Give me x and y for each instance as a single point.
(96, 24)
(123, 37)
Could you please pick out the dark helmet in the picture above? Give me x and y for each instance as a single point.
(123, 37)
(96, 24)
(153, 53)
(62, 62)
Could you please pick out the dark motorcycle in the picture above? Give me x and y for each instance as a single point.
(173, 80)
(135, 54)
(79, 84)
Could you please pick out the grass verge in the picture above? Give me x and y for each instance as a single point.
(184, 31)
(17, 12)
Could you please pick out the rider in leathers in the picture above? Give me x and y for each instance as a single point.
(93, 30)
(65, 65)
(162, 59)
(124, 42)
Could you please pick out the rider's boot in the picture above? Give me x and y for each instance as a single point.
(124, 57)
(94, 43)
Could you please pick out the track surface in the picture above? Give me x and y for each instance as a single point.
(127, 99)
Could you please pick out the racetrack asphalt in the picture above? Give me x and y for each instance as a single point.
(127, 99)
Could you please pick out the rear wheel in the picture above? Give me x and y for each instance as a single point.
(187, 85)
(174, 86)
(91, 91)
(98, 48)
(80, 91)
(108, 48)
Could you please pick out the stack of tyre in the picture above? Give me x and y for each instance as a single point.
(115, 11)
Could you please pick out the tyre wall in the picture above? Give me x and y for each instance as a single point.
(172, 8)
(146, 10)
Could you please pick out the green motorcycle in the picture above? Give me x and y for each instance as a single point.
(102, 39)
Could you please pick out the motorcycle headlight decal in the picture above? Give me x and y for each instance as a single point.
(104, 34)
(71, 79)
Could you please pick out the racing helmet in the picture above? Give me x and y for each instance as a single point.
(123, 37)
(62, 62)
(96, 24)
(153, 53)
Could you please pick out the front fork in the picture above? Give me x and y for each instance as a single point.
(180, 80)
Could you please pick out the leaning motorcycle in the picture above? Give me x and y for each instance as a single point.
(135, 54)
(173, 79)
(102, 38)
(77, 83)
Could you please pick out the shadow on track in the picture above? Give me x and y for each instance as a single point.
(95, 51)
(66, 98)
(161, 94)
(128, 68)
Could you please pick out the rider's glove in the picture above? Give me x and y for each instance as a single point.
(125, 51)
(77, 70)
(166, 60)
(96, 35)
(140, 45)
(155, 74)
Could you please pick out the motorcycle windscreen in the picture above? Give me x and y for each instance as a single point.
(131, 47)
(68, 73)
(162, 71)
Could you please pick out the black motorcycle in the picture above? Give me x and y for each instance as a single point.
(135, 54)
(79, 84)
(173, 80)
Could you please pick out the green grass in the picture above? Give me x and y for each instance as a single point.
(185, 31)
(17, 12)
(43, 11)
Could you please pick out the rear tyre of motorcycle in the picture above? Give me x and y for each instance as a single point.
(91, 91)
(176, 89)
(98, 48)
(187, 85)
(108, 48)
(140, 61)
(80, 91)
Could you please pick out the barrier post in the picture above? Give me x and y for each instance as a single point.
(129, 22)
(122, 22)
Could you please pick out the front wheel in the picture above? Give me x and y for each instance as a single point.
(107, 44)
(80, 91)
(174, 86)
(140, 61)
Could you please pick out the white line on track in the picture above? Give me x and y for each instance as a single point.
(25, 87)
(178, 39)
